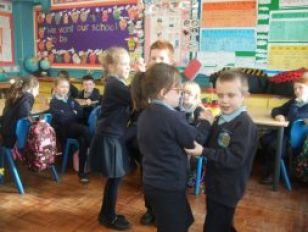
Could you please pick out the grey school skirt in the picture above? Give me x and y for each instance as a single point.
(108, 156)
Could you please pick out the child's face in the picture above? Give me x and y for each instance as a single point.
(88, 86)
(35, 90)
(62, 88)
(122, 68)
(189, 98)
(300, 90)
(160, 56)
(230, 96)
(172, 97)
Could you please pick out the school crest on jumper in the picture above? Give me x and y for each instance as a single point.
(224, 139)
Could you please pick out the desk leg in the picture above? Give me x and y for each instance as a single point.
(277, 158)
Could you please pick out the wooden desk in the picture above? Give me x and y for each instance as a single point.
(262, 117)
(38, 107)
(4, 86)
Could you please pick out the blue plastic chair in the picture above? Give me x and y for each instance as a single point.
(22, 129)
(200, 160)
(69, 142)
(298, 133)
(94, 115)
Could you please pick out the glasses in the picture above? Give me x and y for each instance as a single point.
(178, 90)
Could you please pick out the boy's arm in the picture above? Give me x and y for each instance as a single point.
(282, 110)
(235, 154)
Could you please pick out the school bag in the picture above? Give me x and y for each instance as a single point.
(41, 149)
(301, 163)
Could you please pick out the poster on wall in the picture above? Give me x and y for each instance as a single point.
(6, 39)
(288, 56)
(289, 26)
(78, 37)
(293, 3)
(170, 20)
(233, 39)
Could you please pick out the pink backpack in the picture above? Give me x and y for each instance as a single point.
(41, 146)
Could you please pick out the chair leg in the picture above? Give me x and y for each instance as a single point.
(198, 176)
(54, 173)
(65, 157)
(2, 165)
(285, 175)
(13, 168)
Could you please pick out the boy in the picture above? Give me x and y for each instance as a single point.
(230, 152)
(160, 52)
(294, 109)
(90, 93)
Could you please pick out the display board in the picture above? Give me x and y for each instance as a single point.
(78, 37)
(6, 35)
(273, 34)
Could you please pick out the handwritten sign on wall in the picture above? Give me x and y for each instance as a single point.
(79, 36)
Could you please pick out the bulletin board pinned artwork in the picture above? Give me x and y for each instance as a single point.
(170, 20)
(77, 37)
(6, 39)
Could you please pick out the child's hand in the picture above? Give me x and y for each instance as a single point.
(88, 101)
(139, 65)
(280, 118)
(196, 151)
(206, 115)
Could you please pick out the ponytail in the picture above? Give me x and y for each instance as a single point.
(18, 89)
(147, 86)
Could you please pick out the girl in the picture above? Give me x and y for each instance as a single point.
(192, 106)
(163, 132)
(108, 154)
(66, 119)
(18, 104)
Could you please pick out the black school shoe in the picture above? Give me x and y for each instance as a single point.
(147, 218)
(268, 180)
(118, 223)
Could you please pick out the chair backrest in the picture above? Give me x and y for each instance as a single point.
(95, 113)
(298, 133)
(22, 128)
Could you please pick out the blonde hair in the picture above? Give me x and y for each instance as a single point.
(112, 57)
(192, 87)
(194, 90)
(60, 79)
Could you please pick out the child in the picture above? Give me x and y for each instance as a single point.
(160, 51)
(192, 106)
(230, 152)
(294, 109)
(163, 132)
(67, 121)
(90, 93)
(108, 153)
(18, 104)
(73, 91)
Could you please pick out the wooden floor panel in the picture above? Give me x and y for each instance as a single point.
(69, 206)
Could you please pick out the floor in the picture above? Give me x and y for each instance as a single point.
(69, 206)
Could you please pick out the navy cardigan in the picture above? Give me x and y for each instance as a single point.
(22, 108)
(162, 136)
